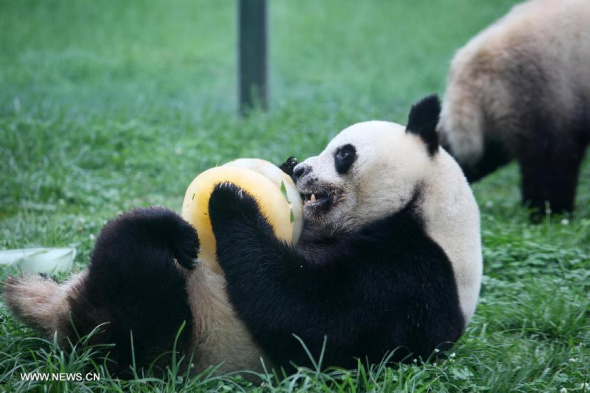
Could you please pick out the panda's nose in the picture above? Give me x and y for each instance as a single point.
(300, 170)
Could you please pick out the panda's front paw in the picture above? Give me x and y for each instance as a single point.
(230, 206)
(289, 165)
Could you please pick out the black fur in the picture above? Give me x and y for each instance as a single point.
(289, 165)
(550, 150)
(385, 287)
(494, 157)
(134, 285)
(344, 157)
(550, 169)
(423, 119)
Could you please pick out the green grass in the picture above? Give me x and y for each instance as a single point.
(109, 105)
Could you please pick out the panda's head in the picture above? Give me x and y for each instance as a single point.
(369, 170)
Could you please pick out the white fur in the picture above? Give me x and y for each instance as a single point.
(40, 302)
(222, 338)
(391, 164)
(452, 220)
(367, 188)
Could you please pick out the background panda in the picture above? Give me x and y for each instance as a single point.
(390, 257)
(521, 90)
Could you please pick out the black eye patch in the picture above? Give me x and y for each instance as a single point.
(344, 157)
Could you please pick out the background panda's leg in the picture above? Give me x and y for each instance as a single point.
(550, 175)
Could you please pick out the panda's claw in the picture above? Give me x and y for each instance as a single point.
(229, 201)
(185, 255)
(233, 211)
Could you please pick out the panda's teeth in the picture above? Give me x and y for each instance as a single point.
(312, 198)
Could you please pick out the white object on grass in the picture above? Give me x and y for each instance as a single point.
(40, 260)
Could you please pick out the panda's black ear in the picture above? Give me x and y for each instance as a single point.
(423, 119)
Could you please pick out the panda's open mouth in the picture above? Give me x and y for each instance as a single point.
(314, 199)
(318, 200)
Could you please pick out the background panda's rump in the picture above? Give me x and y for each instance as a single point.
(520, 90)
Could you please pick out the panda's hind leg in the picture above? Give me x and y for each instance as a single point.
(136, 284)
(135, 288)
(39, 301)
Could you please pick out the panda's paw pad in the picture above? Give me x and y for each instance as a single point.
(230, 202)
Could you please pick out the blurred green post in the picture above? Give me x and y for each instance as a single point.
(252, 48)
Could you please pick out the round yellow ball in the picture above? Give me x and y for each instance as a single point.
(271, 200)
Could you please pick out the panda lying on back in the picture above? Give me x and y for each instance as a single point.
(389, 259)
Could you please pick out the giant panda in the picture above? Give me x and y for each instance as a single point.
(520, 90)
(389, 262)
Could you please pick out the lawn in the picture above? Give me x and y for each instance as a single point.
(110, 105)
